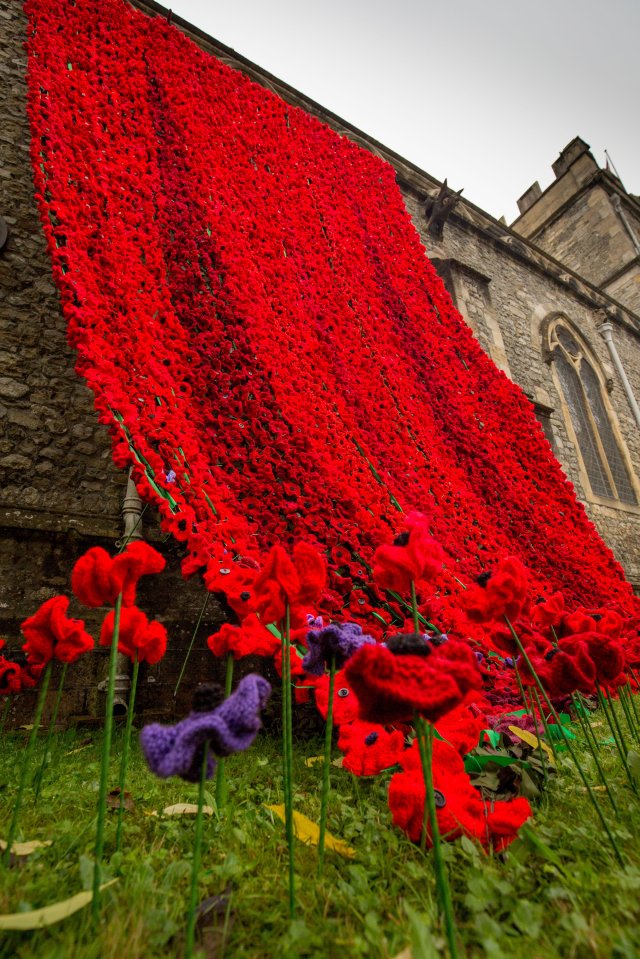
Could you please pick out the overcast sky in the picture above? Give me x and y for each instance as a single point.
(484, 92)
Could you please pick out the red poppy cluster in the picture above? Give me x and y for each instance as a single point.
(202, 230)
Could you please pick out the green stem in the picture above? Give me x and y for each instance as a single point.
(616, 732)
(193, 639)
(106, 755)
(585, 726)
(547, 731)
(424, 732)
(221, 784)
(632, 702)
(52, 724)
(24, 768)
(287, 751)
(326, 766)
(616, 721)
(585, 716)
(567, 742)
(5, 712)
(197, 852)
(414, 608)
(124, 761)
(626, 709)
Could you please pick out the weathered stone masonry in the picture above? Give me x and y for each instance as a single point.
(59, 491)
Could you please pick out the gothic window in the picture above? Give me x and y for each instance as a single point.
(590, 418)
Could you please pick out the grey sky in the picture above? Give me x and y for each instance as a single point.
(484, 92)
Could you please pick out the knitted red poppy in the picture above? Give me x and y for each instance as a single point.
(137, 637)
(421, 557)
(503, 593)
(369, 748)
(461, 728)
(249, 639)
(579, 621)
(98, 578)
(283, 581)
(459, 806)
(549, 612)
(346, 708)
(608, 655)
(391, 688)
(10, 675)
(51, 634)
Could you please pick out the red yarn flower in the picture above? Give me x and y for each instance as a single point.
(252, 638)
(138, 638)
(549, 612)
(499, 593)
(51, 634)
(283, 581)
(459, 806)
(10, 677)
(97, 578)
(415, 555)
(390, 688)
(369, 748)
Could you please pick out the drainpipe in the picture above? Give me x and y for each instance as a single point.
(132, 519)
(605, 329)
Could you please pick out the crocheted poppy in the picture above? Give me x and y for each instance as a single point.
(346, 708)
(285, 581)
(415, 555)
(563, 669)
(51, 634)
(338, 641)
(10, 677)
(252, 638)
(461, 728)
(549, 612)
(368, 748)
(579, 621)
(97, 578)
(499, 593)
(460, 808)
(228, 728)
(608, 655)
(391, 688)
(138, 638)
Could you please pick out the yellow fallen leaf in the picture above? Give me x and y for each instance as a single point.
(338, 762)
(48, 915)
(25, 848)
(312, 760)
(73, 752)
(186, 809)
(531, 740)
(308, 832)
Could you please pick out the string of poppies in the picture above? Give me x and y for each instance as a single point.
(266, 340)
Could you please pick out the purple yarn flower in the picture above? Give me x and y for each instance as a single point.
(229, 728)
(341, 640)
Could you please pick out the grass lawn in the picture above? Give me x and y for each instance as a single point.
(557, 891)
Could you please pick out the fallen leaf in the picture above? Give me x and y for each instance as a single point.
(338, 762)
(186, 809)
(312, 760)
(309, 833)
(113, 800)
(25, 848)
(48, 915)
(531, 740)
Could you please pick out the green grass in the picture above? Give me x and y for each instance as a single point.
(557, 892)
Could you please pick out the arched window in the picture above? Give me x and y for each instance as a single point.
(589, 415)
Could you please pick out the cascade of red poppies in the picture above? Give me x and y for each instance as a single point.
(266, 339)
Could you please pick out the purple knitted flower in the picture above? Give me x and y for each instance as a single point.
(229, 728)
(341, 640)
